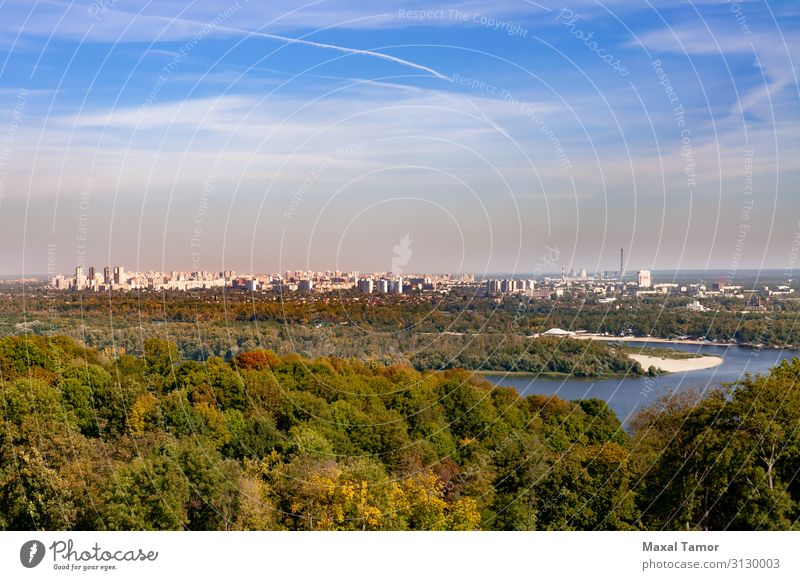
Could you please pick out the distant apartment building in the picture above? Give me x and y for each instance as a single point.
(61, 283)
(643, 279)
(80, 278)
(696, 306)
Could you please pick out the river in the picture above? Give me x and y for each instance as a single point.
(627, 395)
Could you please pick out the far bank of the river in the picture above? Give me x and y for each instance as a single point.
(664, 364)
(550, 375)
(677, 365)
(607, 338)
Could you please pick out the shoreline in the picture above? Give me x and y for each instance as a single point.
(606, 338)
(677, 365)
(691, 341)
(550, 375)
(664, 366)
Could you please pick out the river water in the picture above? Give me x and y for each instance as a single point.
(627, 395)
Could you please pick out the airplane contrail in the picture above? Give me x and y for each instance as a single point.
(291, 40)
(340, 49)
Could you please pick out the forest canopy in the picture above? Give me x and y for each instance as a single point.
(268, 441)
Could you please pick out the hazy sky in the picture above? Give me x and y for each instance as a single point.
(265, 136)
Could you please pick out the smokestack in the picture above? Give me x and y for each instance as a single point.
(621, 268)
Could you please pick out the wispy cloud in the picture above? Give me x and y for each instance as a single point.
(74, 22)
(763, 50)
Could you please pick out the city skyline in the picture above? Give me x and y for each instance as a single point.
(561, 271)
(601, 288)
(570, 272)
(244, 136)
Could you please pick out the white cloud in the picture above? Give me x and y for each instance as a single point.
(765, 50)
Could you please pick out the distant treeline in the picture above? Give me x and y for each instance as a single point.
(728, 318)
(581, 358)
(268, 441)
(423, 351)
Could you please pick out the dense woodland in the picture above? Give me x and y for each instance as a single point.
(399, 331)
(424, 331)
(89, 440)
(222, 324)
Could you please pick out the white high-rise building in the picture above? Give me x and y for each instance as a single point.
(643, 278)
(397, 286)
(80, 279)
(365, 286)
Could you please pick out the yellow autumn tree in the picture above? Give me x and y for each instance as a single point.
(143, 415)
(418, 503)
(323, 495)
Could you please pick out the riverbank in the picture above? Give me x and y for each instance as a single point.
(548, 375)
(607, 338)
(677, 365)
(626, 396)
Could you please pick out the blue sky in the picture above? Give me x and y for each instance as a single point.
(171, 135)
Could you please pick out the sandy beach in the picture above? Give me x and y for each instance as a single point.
(677, 365)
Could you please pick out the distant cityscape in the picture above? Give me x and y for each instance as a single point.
(604, 286)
